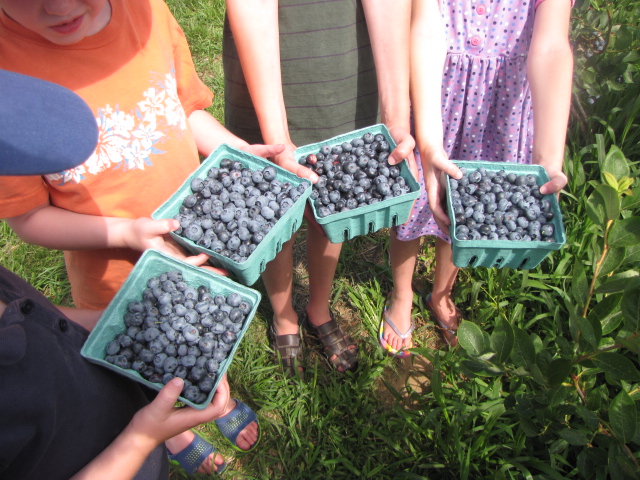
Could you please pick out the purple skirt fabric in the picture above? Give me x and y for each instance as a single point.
(486, 99)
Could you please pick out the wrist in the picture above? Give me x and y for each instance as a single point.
(134, 438)
(552, 161)
(120, 233)
(430, 149)
(276, 137)
(396, 119)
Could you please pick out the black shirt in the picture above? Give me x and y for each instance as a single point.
(57, 410)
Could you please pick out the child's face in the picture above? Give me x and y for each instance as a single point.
(63, 22)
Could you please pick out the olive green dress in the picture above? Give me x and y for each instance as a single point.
(328, 73)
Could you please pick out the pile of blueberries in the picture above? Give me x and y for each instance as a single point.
(234, 207)
(496, 205)
(177, 330)
(353, 174)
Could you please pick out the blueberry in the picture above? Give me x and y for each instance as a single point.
(191, 393)
(194, 350)
(547, 230)
(479, 216)
(206, 384)
(188, 361)
(151, 334)
(113, 347)
(190, 333)
(212, 366)
(219, 355)
(122, 362)
(196, 184)
(228, 337)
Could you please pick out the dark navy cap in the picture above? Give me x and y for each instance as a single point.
(44, 128)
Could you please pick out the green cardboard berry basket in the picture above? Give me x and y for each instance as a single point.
(343, 226)
(505, 253)
(153, 263)
(248, 271)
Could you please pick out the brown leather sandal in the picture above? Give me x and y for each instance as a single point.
(289, 350)
(336, 344)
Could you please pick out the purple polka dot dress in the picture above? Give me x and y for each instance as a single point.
(486, 100)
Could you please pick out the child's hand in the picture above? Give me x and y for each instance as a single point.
(287, 160)
(283, 157)
(147, 233)
(557, 181)
(404, 148)
(436, 163)
(161, 420)
(265, 151)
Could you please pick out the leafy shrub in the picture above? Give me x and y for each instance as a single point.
(546, 383)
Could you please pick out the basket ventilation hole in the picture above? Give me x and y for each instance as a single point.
(473, 260)
(263, 265)
(346, 234)
(294, 228)
(394, 221)
(523, 263)
(278, 246)
(498, 262)
(372, 227)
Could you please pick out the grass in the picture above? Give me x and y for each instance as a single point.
(421, 417)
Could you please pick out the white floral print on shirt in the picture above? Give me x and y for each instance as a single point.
(128, 140)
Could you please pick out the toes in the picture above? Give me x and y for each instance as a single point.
(211, 463)
(219, 460)
(248, 436)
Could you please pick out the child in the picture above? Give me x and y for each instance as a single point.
(298, 72)
(50, 393)
(507, 75)
(130, 62)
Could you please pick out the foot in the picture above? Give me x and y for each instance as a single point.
(249, 434)
(319, 318)
(180, 442)
(398, 310)
(288, 351)
(446, 315)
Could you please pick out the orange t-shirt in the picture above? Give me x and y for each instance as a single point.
(138, 77)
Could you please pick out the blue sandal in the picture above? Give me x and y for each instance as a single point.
(191, 457)
(235, 421)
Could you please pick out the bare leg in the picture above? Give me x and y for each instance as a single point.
(403, 260)
(278, 281)
(445, 278)
(322, 260)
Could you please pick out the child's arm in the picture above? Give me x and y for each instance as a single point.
(59, 229)
(255, 30)
(428, 53)
(209, 134)
(82, 316)
(550, 70)
(388, 23)
(151, 426)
